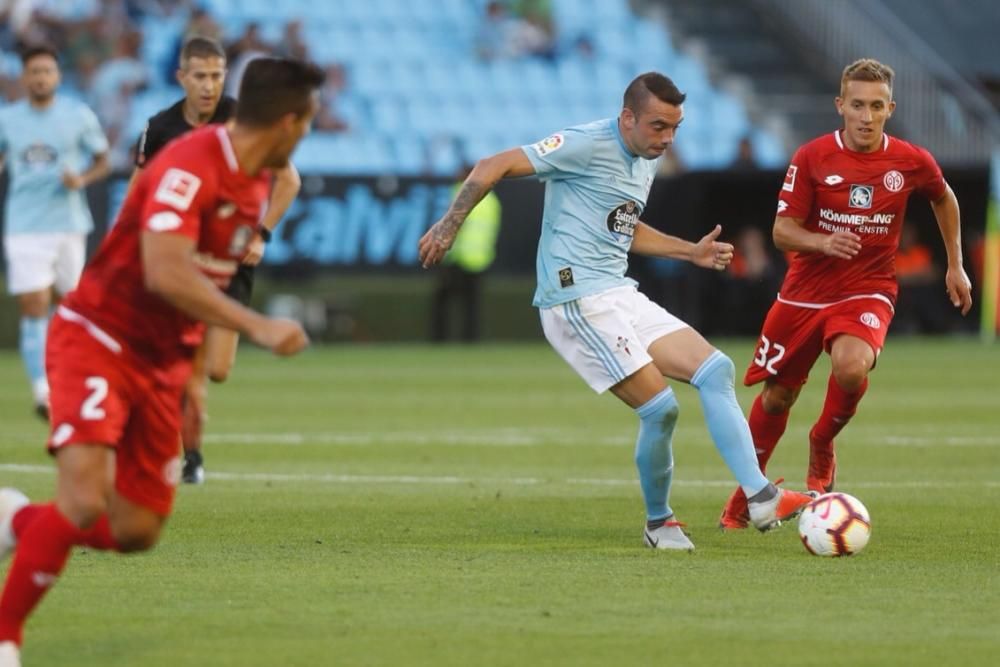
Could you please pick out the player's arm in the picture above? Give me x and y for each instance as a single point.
(169, 271)
(285, 189)
(707, 253)
(790, 235)
(434, 245)
(949, 223)
(100, 167)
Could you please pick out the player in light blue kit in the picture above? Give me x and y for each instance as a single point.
(598, 177)
(53, 148)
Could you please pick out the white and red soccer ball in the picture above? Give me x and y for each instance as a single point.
(835, 524)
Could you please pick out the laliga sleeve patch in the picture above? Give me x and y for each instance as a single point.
(789, 184)
(548, 145)
(177, 189)
(164, 221)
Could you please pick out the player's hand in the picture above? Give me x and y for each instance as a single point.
(72, 180)
(711, 254)
(959, 288)
(843, 245)
(255, 251)
(436, 243)
(282, 336)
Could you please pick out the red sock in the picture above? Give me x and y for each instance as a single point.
(24, 516)
(97, 536)
(42, 551)
(766, 429)
(838, 409)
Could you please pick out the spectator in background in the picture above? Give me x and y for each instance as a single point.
(535, 33)
(920, 306)
(329, 118)
(502, 35)
(494, 39)
(750, 284)
(745, 160)
(114, 84)
(460, 275)
(248, 47)
(293, 44)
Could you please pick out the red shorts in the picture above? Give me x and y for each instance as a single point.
(100, 396)
(794, 336)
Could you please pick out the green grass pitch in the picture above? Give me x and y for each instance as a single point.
(478, 506)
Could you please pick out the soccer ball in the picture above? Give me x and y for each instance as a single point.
(835, 524)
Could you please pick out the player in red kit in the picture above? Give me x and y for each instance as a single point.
(121, 346)
(840, 211)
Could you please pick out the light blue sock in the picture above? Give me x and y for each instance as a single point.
(653, 454)
(32, 345)
(730, 432)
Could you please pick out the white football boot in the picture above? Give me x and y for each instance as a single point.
(780, 507)
(667, 536)
(10, 656)
(11, 500)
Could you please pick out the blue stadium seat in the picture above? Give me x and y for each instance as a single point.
(414, 82)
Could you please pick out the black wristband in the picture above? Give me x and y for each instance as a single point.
(265, 233)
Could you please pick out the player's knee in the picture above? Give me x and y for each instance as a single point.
(133, 542)
(218, 375)
(850, 375)
(718, 372)
(777, 400)
(661, 410)
(136, 536)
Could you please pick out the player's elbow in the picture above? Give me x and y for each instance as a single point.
(780, 237)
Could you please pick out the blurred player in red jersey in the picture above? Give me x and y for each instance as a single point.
(121, 346)
(202, 74)
(840, 211)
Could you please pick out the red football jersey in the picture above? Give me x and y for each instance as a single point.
(833, 188)
(193, 187)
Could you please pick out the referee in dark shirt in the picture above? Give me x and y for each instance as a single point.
(202, 74)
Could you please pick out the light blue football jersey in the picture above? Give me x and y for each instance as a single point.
(38, 145)
(595, 190)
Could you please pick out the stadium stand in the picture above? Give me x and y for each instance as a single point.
(431, 85)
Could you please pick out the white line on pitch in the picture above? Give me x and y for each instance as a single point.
(333, 478)
(522, 438)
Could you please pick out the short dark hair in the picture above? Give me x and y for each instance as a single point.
(201, 47)
(38, 50)
(273, 87)
(651, 84)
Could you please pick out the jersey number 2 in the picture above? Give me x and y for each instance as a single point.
(777, 350)
(91, 408)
